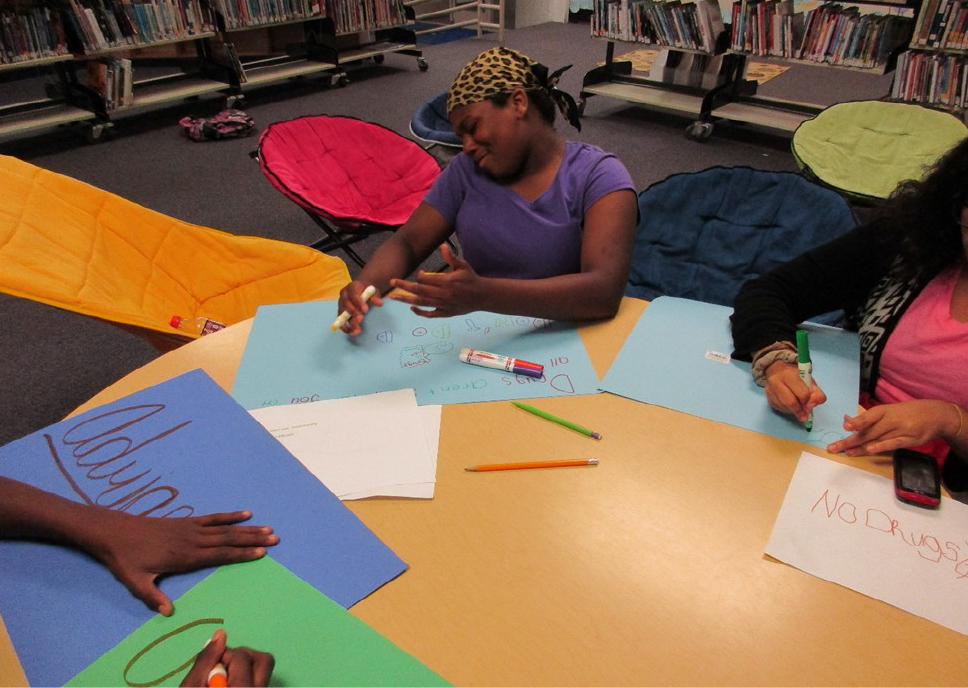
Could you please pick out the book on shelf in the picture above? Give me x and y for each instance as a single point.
(942, 24)
(112, 80)
(30, 31)
(933, 79)
(224, 54)
(768, 28)
(353, 16)
(696, 70)
(101, 24)
(692, 25)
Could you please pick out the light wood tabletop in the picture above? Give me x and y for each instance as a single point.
(647, 569)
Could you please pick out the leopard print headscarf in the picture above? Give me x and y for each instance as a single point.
(501, 70)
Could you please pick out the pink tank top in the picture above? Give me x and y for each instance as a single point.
(926, 357)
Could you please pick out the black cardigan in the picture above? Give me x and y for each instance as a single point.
(855, 273)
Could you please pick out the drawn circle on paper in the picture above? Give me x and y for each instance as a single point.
(158, 641)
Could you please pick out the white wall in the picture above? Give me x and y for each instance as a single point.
(530, 12)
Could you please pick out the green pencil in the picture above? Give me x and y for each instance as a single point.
(555, 419)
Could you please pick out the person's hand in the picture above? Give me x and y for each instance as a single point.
(787, 393)
(243, 665)
(905, 424)
(442, 294)
(351, 299)
(138, 549)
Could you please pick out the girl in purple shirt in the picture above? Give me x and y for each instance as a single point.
(546, 226)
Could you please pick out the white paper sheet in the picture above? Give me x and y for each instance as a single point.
(843, 524)
(364, 446)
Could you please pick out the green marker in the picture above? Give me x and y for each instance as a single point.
(555, 419)
(805, 367)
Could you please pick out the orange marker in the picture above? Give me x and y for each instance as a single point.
(218, 677)
(532, 464)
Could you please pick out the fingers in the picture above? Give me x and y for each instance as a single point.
(866, 427)
(226, 518)
(215, 556)
(248, 667)
(789, 395)
(236, 536)
(451, 258)
(219, 530)
(351, 300)
(206, 660)
(448, 254)
(144, 587)
(429, 312)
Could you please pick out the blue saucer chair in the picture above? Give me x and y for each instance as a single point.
(702, 234)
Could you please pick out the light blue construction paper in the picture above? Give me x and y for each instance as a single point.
(292, 356)
(664, 362)
(63, 610)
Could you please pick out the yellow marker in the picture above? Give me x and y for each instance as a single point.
(345, 315)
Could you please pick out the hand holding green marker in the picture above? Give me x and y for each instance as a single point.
(806, 369)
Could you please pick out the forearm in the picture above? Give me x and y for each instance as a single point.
(836, 275)
(578, 296)
(393, 259)
(28, 512)
(406, 248)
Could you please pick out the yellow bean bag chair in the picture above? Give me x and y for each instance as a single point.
(71, 245)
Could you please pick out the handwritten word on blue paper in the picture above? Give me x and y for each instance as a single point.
(678, 357)
(182, 448)
(293, 357)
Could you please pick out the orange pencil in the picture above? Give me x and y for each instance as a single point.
(532, 464)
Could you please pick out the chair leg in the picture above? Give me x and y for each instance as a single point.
(335, 240)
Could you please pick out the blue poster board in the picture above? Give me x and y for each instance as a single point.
(181, 448)
(677, 356)
(292, 356)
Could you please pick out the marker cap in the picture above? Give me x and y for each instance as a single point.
(803, 347)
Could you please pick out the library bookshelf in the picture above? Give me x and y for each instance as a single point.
(99, 51)
(854, 36)
(934, 71)
(692, 68)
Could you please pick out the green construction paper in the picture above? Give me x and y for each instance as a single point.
(262, 605)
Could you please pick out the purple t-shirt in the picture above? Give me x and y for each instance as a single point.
(503, 235)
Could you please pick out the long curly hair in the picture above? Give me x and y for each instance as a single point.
(923, 216)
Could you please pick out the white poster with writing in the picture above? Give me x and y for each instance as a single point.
(844, 525)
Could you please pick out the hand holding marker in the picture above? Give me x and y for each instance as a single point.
(345, 315)
(806, 369)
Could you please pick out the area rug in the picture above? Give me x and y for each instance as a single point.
(761, 72)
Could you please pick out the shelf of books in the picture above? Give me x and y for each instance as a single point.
(849, 36)
(691, 66)
(31, 34)
(694, 26)
(34, 36)
(108, 41)
(865, 35)
(247, 14)
(934, 72)
(933, 79)
(336, 32)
